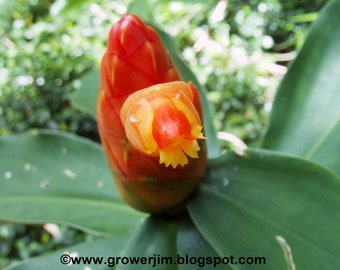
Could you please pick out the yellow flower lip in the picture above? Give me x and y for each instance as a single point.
(162, 121)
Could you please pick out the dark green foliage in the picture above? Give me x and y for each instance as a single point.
(21, 242)
(43, 56)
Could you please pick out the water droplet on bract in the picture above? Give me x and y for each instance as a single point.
(64, 150)
(133, 119)
(8, 175)
(100, 184)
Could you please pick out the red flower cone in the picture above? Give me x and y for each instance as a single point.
(149, 121)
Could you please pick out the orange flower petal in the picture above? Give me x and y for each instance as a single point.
(161, 121)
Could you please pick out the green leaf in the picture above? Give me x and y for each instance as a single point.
(264, 203)
(170, 244)
(213, 144)
(101, 248)
(85, 98)
(61, 178)
(143, 9)
(63, 7)
(305, 118)
(154, 237)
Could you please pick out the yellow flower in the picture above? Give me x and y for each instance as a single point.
(162, 121)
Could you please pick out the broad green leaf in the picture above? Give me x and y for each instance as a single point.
(264, 203)
(61, 178)
(305, 118)
(191, 245)
(170, 244)
(103, 249)
(85, 98)
(155, 237)
(187, 75)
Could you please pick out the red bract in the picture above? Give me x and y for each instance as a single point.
(152, 137)
(135, 58)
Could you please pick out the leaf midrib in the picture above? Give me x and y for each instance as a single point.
(318, 144)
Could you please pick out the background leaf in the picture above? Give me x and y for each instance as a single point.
(62, 7)
(85, 98)
(305, 119)
(246, 203)
(58, 177)
(158, 238)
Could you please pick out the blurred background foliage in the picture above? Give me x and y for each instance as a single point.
(238, 49)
